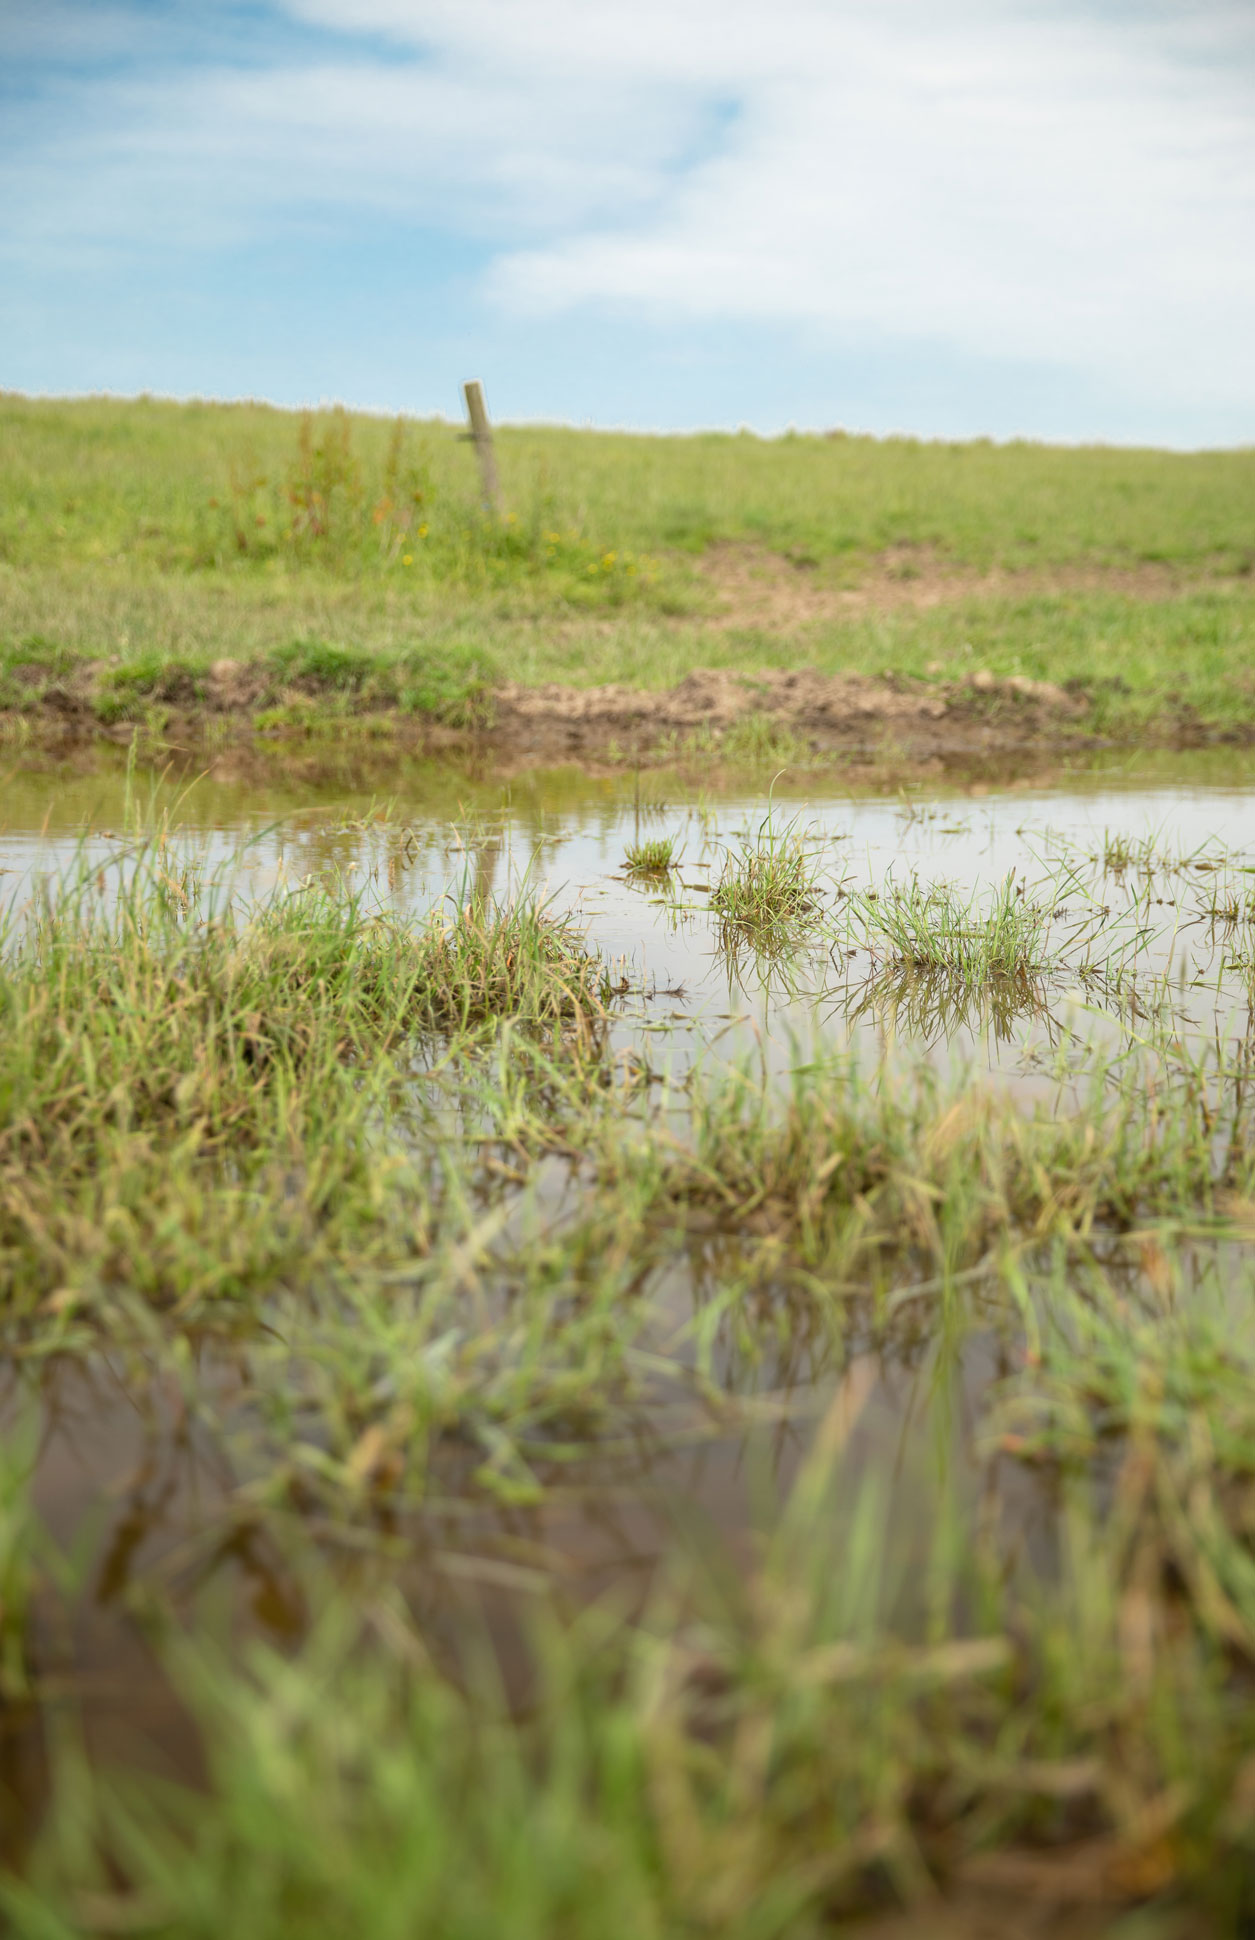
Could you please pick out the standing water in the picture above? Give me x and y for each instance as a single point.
(625, 1299)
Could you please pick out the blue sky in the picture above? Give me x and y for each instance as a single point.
(993, 217)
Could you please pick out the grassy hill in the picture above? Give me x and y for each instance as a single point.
(142, 541)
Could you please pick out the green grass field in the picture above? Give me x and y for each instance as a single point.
(143, 541)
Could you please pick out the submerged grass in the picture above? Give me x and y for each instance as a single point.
(455, 1246)
(851, 1183)
(876, 1714)
(199, 1094)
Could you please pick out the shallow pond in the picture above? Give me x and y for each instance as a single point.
(1144, 873)
(1141, 872)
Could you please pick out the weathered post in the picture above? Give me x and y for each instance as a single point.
(481, 437)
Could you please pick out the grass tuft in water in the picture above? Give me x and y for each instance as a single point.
(166, 1009)
(455, 1270)
(653, 857)
(476, 961)
(939, 929)
(195, 1091)
(769, 889)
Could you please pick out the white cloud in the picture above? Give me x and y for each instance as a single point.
(1038, 182)
(1059, 183)
(207, 154)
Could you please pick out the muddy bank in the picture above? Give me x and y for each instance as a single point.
(852, 713)
(754, 714)
(746, 717)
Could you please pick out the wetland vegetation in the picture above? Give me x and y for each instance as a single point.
(527, 1407)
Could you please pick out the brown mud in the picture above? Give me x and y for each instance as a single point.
(854, 714)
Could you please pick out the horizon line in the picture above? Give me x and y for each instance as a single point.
(829, 432)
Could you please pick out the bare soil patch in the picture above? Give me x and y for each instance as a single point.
(757, 589)
(852, 712)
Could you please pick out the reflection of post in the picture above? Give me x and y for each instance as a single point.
(481, 437)
(485, 872)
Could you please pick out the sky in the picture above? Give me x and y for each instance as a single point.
(978, 218)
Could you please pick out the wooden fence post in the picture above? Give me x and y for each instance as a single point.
(481, 437)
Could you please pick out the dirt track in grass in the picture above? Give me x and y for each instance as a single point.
(755, 589)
